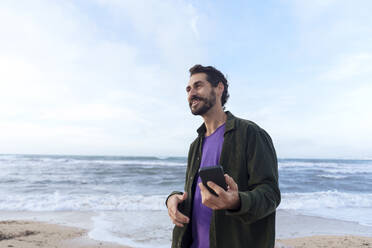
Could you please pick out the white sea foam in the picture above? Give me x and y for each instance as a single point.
(62, 202)
(331, 204)
(73, 161)
(331, 176)
(306, 164)
(139, 229)
(327, 167)
(349, 169)
(131, 162)
(325, 199)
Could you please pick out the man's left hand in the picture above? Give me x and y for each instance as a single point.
(225, 200)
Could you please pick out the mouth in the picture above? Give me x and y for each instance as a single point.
(194, 102)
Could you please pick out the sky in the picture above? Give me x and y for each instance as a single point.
(108, 77)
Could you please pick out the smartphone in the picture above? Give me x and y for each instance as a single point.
(214, 174)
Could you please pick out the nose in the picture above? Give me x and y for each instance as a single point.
(191, 93)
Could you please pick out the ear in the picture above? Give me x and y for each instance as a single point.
(220, 87)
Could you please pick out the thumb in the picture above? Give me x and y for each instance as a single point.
(183, 196)
(231, 183)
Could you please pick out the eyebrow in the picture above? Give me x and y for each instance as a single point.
(194, 83)
(197, 82)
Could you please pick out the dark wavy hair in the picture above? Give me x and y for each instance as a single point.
(214, 76)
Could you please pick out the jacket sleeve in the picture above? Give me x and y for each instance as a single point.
(263, 195)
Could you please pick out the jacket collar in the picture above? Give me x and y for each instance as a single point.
(229, 125)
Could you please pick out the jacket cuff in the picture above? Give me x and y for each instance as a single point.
(173, 193)
(245, 204)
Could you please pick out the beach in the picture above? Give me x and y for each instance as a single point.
(325, 242)
(74, 230)
(32, 234)
(301, 231)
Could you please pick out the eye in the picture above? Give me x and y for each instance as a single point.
(188, 88)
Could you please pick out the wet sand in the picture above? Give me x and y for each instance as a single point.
(325, 242)
(32, 234)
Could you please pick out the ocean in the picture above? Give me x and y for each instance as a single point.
(127, 194)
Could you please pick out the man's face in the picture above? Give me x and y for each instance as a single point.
(201, 94)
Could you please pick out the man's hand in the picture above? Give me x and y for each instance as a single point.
(176, 216)
(226, 199)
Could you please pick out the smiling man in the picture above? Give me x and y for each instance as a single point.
(244, 215)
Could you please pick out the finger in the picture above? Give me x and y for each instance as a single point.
(211, 202)
(231, 183)
(181, 217)
(177, 223)
(171, 214)
(203, 189)
(176, 215)
(205, 193)
(208, 199)
(211, 206)
(215, 187)
(182, 197)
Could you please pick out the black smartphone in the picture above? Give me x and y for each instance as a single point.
(214, 174)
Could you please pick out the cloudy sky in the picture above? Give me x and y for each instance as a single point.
(108, 77)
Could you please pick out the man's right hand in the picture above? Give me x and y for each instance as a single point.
(176, 216)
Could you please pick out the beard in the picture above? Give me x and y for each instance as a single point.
(204, 105)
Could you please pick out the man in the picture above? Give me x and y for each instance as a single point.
(244, 215)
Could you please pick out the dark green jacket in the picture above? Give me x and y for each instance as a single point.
(248, 156)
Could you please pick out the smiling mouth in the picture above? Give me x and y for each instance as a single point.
(194, 102)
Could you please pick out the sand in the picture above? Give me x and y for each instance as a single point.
(326, 242)
(60, 231)
(32, 234)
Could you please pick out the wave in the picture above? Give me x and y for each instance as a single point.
(61, 202)
(47, 161)
(327, 167)
(331, 204)
(135, 228)
(330, 176)
(292, 164)
(325, 199)
(139, 162)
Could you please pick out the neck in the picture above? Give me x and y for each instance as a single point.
(213, 119)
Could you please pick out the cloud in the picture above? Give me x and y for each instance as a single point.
(170, 26)
(350, 67)
(63, 68)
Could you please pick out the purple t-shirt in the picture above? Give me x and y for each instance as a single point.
(201, 215)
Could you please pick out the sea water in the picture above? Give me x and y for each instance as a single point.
(127, 194)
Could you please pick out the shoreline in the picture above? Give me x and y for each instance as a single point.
(290, 224)
(70, 229)
(33, 234)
